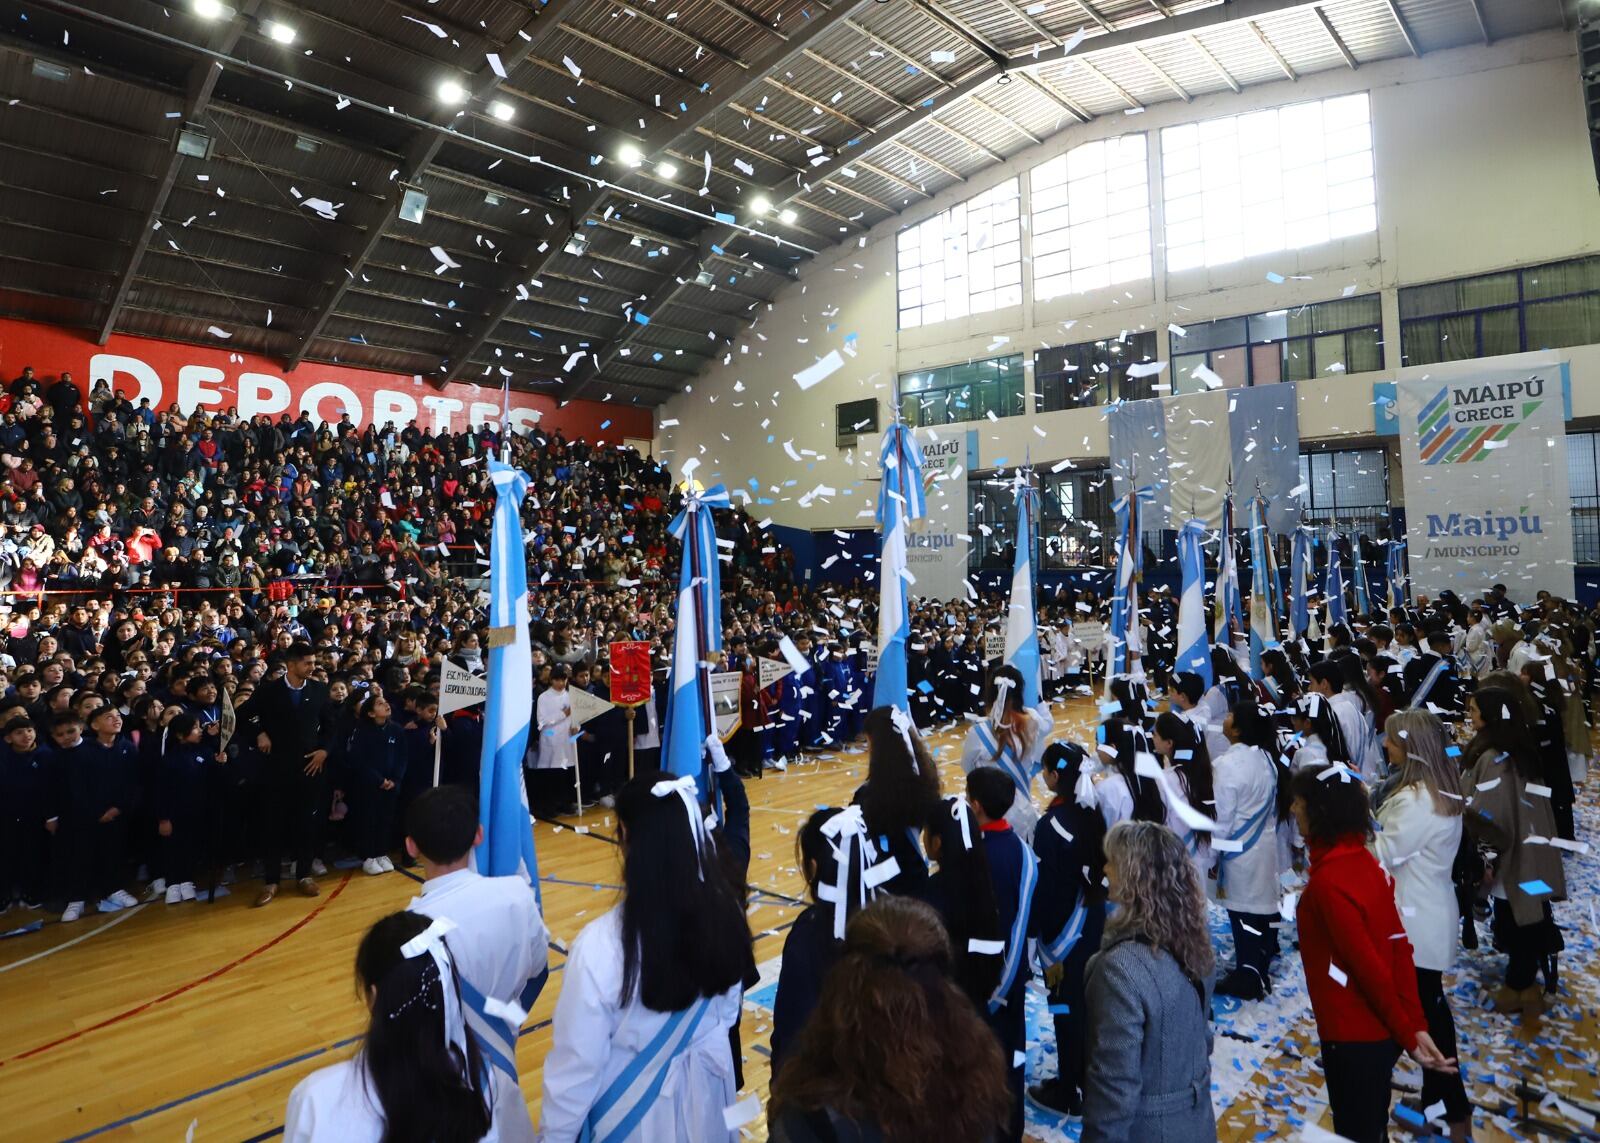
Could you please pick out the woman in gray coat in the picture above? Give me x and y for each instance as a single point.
(1148, 992)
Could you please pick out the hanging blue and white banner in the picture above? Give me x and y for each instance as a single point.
(900, 500)
(1300, 581)
(696, 638)
(1399, 595)
(1335, 589)
(1263, 618)
(1230, 611)
(1485, 462)
(1022, 616)
(938, 541)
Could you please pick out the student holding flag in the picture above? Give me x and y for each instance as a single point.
(1012, 739)
(640, 1048)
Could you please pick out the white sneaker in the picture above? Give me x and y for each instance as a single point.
(123, 899)
(158, 887)
(318, 869)
(107, 906)
(187, 890)
(388, 866)
(174, 894)
(608, 801)
(371, 867)
(73, 912)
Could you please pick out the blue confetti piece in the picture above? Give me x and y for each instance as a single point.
(642, 319)
(1275, 278)
(605, 424)
(724, 216)
(1407, 1115)
(1535, 888)
(715, 249)
(925, 687)
(1060, 1009)
(913, 70)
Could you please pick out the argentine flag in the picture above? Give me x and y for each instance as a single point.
(502, 798)
(1358, 568)
(1022, 617)
(1300, 582)
(1194, 645)
(1263, 620)
(1338, 608)
(1230, 612)
(900, 499)
(1126, 639)
(1397, 573)
(697, 636)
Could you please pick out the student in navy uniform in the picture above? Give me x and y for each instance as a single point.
(963, 893)
(180, 800)
(835, 678)
(899, 797)
(378, 761)
(100, 780)
(1069, 915)
(28, 815)
(808, 694)
(831, 858)
(1013, 870)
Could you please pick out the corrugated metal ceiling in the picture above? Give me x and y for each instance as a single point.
(848, 127)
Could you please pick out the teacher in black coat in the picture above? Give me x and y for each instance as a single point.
(289, 718)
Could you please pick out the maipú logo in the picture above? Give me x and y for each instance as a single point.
(1466, 423)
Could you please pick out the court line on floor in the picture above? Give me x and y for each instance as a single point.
(122, 915)
(181, 989)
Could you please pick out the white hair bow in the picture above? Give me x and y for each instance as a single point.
(431, 942)
(852, 848)
(1002, 687)
(686, 790)
(902, 722)
(962, 814)
(1083, 788)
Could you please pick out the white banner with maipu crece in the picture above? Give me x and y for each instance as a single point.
(937, 544)
(1485, 469)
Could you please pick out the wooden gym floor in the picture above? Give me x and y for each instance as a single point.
(155, 1022)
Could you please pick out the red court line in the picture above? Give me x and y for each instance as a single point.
(193, 984)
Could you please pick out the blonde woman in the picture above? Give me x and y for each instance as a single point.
(1421, 822)
(1147, 991)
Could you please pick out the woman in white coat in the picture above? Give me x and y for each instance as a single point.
(1011, 739)
(1251, 791)
(640, 1048)
(417, 1077)
(1418, 836)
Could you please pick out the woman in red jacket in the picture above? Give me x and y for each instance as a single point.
(1358, 966)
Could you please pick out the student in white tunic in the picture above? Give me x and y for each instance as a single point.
(1355, 722)
(1012, 739)
(1249, 807)
(1187, 762)
(500, 943)
(417, 1077)
(1188, 691)
(1419, 832)
(558, 746)
(640, 1048)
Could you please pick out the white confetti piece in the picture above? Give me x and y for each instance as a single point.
(1203, 373)
(444, 258)
(747, 1110)
(495, 65)
(943, 57)
(824, 367)
(434, 28)
(1338, 975)
(577, 72)
(218, 331)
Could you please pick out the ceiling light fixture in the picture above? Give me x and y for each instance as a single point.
(577, 245)
(279, 32)
(502, 110)
(788, 215)
(629, 155)
(704, 278)
(452, 92)
(761, 204)
(413, 204)
(211, 9)
(667, 170)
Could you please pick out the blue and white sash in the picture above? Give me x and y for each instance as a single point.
(1249, 836)
(1057, 950)
(618, 1112)
(1004, 760)
(1017, 940)
(1424, 688)
(496, 1036)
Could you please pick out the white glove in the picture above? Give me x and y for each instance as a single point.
(719, 756)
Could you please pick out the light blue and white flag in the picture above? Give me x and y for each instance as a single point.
(502, 798)
(1022, 617)
(1398, 595)
(1300, 582)
(900, 500)
(1229, 607)
(1338, 607)
(697, 637)
(1358, 569)
(1263, 619)
(1194, 645)
(1127, 638)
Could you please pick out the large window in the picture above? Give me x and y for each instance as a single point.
(1345, 336)
(966, 392)
(1279, 179)
(1542, 307)
(1583, 474)
(1093, 373)
(1091, 217)
(1347, 487)
(967, 260)
(1075, 527)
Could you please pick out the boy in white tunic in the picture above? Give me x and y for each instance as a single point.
(500, 943)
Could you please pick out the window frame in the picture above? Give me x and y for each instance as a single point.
(944, 381)
(1113, 210)
(1002, 278)
(1520, 307)
(1178, 353)
(1114, 380)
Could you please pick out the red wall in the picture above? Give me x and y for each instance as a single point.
(216, 378)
